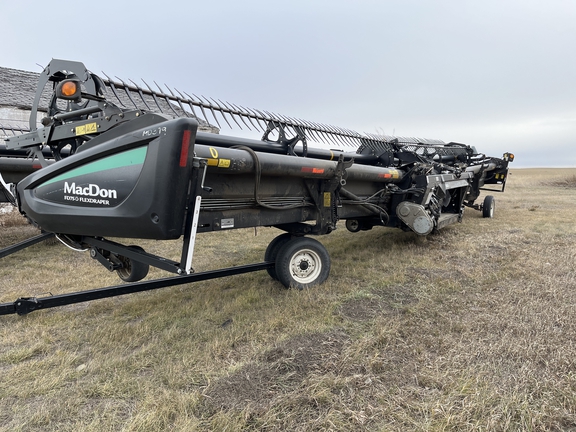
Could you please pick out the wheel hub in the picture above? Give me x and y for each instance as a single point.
(305, 266)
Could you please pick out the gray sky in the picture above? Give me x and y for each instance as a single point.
(496, 74)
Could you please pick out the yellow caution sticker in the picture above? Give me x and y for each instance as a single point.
(86, 129)
(327, 199)
(224, 163)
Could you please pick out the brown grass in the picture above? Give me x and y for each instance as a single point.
(9, 217)
(471, 329)
(569, 182)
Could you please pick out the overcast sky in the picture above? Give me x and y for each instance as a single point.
(496, 74)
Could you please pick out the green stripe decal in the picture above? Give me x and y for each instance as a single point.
(120, 160)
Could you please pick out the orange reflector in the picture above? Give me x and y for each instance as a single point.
(313, 170)
(386, 176)
(69, 88)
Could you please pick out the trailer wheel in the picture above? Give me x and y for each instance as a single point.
(272, 252)
(132, 271)
(353, 225)
(488, 207)
(302, 263)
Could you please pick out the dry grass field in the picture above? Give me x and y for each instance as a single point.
(470, 329)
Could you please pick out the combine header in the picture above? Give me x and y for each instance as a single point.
(108, 170)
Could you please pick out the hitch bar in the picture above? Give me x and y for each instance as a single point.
(25, 305)
(24, 244)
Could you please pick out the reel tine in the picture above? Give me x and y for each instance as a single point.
(271, 116)
(125, 87)
(338, 135)
(178, 100)
(156, 101)
(258, 119)
(287, 121)
(243, 115)
(209, 105)
(267, 118)
(329, 133)
(287, 124)
(231, 111)
(308, 127)
(345, 137)
(251, 114)
(221, 111)
(201, 105)
(325, 137)
(319, 133)
(276, 119)
(264, 117)
(141, 94)
(113, 88)
(167, 100)
(247, 114)
(189, 100)
(356, 135)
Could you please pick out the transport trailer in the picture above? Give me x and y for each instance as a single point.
(108, 171)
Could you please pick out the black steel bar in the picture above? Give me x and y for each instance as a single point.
(484, 189)
(77, 113)
(23, 306)
(126, 251)
(24, 244)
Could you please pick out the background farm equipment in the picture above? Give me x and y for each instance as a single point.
(98, 169)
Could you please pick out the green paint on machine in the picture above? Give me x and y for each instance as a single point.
(125, 159)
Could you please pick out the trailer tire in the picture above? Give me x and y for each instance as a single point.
(353, 225)
(272, 252)
(132, 271)
(302, 263)
(488, 206)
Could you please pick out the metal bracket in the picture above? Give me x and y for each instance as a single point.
(289, 144)
(107, 262)
(25, 305)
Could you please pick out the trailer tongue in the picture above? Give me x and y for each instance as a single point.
(133, 173)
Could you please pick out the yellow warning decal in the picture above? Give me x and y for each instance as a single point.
(224, 163)
(86, 129)
(213, 162)
(327, 199)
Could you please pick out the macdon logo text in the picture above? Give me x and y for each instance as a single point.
(91, 190)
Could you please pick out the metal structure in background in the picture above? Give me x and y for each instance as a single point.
(101, 166)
